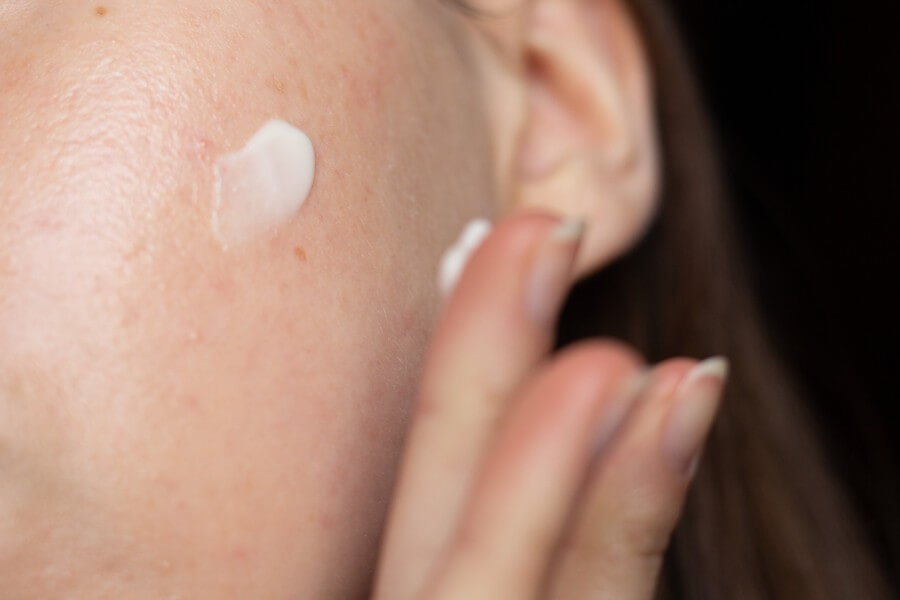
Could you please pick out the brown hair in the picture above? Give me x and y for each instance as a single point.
(766, 518)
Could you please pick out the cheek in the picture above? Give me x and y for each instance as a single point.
(248, 405)
(204, 408)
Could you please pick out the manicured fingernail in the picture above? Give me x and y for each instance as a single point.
(455, 259)
(551, 270)
(620, 407)
(696, 404)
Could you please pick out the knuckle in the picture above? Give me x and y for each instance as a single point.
(597, 365)
(605, 355)
(645, 528)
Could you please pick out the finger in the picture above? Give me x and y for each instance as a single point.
(497, 326)
(530, 479)
(615, 545)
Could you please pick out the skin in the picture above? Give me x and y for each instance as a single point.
(178, 421)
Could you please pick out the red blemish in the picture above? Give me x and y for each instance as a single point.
(203, 147)
(110, 565)
(47, 223)
(170, 487)
(326, 521)
(137, 249)
(192, 402)
(197, 149)
(239, 554)
(129, 316)
(224, 288)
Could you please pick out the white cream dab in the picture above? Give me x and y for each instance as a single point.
(260, 187)
(455, 259)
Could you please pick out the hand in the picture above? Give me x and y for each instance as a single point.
(530, 475)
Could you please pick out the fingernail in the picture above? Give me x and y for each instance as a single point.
(552, 268)
(455, 259)
(696, 404)
(620, 407)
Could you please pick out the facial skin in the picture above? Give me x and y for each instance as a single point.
(179, 421)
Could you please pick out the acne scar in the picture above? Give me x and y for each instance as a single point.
(300, 253)
(192, 403)
(100, 11)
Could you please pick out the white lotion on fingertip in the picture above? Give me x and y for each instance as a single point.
(262, 186)
(454, 260)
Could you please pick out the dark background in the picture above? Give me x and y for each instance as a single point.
(806, 99)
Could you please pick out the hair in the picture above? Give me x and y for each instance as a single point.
(766, 517)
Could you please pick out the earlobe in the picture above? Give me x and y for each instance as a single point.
(588, 144)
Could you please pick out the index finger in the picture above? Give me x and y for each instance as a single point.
(497, 327)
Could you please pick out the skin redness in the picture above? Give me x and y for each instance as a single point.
(261, 187)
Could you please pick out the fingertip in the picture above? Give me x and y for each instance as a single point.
(455, 258)
(481, 241)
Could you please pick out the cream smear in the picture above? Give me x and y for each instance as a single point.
(261, 187)
(455, 259)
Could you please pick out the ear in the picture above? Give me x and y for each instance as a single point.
(586, 142)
